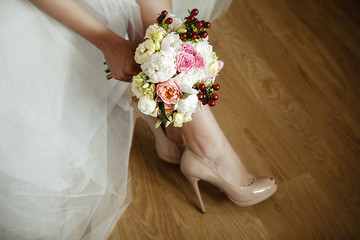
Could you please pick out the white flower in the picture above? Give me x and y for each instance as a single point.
(171, 44)
(179, 119)
(205, 49)
(159, 67)
(155, 31)
(136, 88)
(188, 105)
(147, 106)
(144, 51)
(176, 23)
(141, 88)
(186, 80)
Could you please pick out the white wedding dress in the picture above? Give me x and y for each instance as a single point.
(65, 131)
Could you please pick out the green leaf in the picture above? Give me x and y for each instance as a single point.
(167, 124)
(158, 123)
(162, 109)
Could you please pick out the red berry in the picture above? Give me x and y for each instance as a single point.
(183, 36)
(204, 102)
(214, 97)
(164, 13)
(207, 25)
(194, 37)
(160, 18)
(191, 18)
(201, 86)
(200, 96)
(203, 34)
(169, 21)
(216, 86)
(194, 12)
(212, 103)
(199, 24)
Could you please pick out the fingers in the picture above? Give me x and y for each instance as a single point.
(127, 76)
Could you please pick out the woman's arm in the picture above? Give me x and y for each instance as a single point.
(151, 9)
(118, 52)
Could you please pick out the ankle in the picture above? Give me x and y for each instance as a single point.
(174, 134)
(212, 151)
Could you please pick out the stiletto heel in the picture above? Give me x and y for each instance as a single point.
(196, 168)
(167, 150)
(194, 183)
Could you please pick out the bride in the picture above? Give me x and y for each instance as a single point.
(65, 132)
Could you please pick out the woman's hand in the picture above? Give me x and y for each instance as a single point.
(119, 56)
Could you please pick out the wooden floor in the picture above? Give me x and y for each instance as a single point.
(290, 105)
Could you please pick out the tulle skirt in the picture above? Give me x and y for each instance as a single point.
(65, 131)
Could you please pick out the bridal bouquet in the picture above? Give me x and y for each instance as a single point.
(179, 68)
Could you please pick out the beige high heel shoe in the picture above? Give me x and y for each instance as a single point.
(196, 168)
(167, 150)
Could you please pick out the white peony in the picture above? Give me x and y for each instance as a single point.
(206, 50)
(186, 80)
(144, 51)
(147, 106)
(176, 23)
(171, 44)
(188, 105)
(159, 67)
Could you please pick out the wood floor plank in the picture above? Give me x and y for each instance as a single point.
(308, 214)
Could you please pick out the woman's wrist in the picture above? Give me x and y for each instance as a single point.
(105, 40)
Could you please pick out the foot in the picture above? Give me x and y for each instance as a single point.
(204, 137)
(224, 158)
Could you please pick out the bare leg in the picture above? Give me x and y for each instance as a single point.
(204, 137)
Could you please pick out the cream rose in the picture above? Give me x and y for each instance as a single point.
(155, 32)
(179, 119)
(142, 88)
(144, 51)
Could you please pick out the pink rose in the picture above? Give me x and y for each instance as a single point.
(200, 61)
(188, 48)
(185, 62)
(168, 92)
